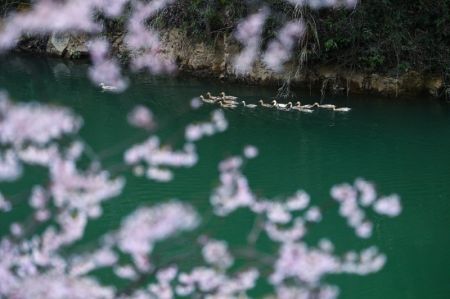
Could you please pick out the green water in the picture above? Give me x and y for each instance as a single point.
(402, 145)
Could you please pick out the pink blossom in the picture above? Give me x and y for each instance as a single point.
(35, 123)
(196, 103)
(250, 152)
(389, 206)
(353, 199)
(280, 49)
(141, 117)
(160, 175)
(146, 226)
(105, 70)
(10, 167)
(126, 272)
(248, 33)
(216, 253)
(5, 205)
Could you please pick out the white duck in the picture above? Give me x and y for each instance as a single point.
(281, 106)
(298, 106)
(248, 105)
(227, 105)
(209, 101)
(342, 109)
(228, 98)
(211, 97)
(311, 106)
(327, 106)
(107, 87)
(264, 104)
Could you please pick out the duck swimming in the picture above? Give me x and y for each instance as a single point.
(228, 98)
(281, 106)
(264, 104)
(107, 87)
(342, 109)
(209, 101)
(229, 102)
(211, 97)
(226, 105)
(309, 106)
(298, 106)
(327, 106)
(248, 105)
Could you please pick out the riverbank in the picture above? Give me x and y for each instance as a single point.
(213, 60)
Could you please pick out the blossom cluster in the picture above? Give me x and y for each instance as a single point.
(144, 227)
(281, 219)
(158, 159)
(31, 133)
(218, 123)
(35, 263)
(353, 200)
(286, 222)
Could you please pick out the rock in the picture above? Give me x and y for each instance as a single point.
(434, 86)
(57, 44)
(77, 46)
(412, 82)
(72, 46)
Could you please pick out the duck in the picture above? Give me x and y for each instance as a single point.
(107, 87)
(229, 102)
(248, 105)
(226, 105)
(342, 109)
(261, 102)
(211, 97)
(327, 106)
(229, 98)
(311, 106)
(209, 101)
(298, 106)
(280, 106)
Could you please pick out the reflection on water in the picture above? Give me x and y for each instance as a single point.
(401, 145)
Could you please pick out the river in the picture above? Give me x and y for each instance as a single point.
(402, 145)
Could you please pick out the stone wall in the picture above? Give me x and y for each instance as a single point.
(215, 59)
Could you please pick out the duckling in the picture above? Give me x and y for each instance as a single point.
(107, 87)
(211, 97)
(342, 109)
(209, 101)
(248, 105)
(264, 104)
(229, 98)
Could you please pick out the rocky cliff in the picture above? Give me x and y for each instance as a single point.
(214, 59)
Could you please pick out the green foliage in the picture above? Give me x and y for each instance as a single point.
(202, 18)
(387, 36)
(6, 6)
(330, 44)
